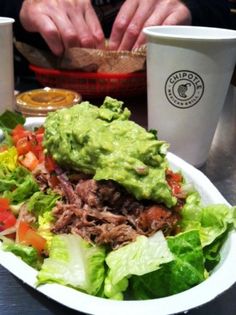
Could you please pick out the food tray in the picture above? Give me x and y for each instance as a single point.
(92, 84)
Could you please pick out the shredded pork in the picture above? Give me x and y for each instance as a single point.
(102, 212)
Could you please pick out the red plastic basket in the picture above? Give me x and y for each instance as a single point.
(93, 84)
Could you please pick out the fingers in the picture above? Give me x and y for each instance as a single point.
(62, 33)
(63, 24)
(38, 21)
(156, 18)
(47, 28)
(87, 26)
(182, 16)
(121, 23)
(134, 15)
(95, 28)
(127, 31)
(178, 15)
(69, 23)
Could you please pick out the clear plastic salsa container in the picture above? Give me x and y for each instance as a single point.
(40, 102)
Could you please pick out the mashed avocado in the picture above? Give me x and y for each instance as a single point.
(104, 142)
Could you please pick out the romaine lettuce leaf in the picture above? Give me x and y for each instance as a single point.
(27, 253)
(212, 252)
(74, 262)
(144, 255)
(184, 272)
(115, 291)
(212, 221)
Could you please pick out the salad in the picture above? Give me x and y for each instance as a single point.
(90, 201)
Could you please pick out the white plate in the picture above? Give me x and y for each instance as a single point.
(223, 277)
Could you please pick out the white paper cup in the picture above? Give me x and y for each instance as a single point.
(6, 65)
(188, 74)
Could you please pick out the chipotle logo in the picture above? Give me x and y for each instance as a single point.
(184, 88)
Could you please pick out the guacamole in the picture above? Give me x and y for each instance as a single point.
(102, 141)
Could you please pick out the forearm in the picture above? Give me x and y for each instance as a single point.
(213, 13)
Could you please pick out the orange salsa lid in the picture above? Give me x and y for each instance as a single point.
(40, 102)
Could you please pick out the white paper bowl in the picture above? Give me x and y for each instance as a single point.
(223, 277)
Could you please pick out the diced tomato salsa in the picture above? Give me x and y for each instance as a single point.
(30, 148)
(174, 181)
(7, 218)
(26, 235)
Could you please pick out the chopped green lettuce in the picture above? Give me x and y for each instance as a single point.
(45, 222)
(144, 255)
(184, 272)
(212, 221)
(17, 185)
(212, 252)
(27, 253)
(9, 120)
(41, 205)
(115, 291)
(5, 139)
(8, 160)
(41, 202)
(74, 262)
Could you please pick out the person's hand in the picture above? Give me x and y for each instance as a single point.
(63, 23)
(135, 14)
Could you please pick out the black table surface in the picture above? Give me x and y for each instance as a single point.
(16, 298)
